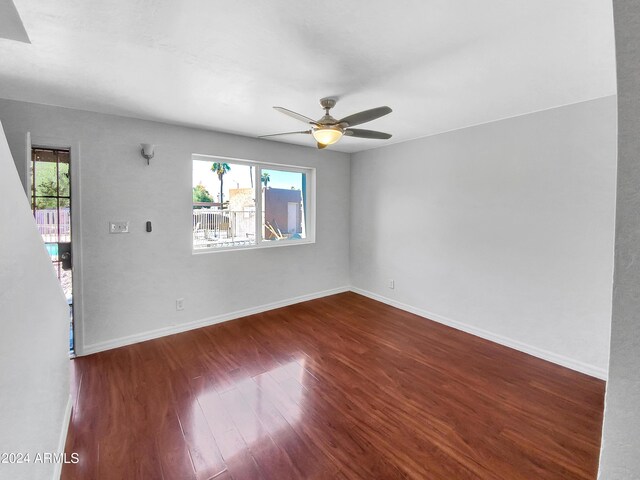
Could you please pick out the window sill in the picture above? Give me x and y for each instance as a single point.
(262, 245)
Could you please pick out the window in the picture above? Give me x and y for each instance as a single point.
(246, 204)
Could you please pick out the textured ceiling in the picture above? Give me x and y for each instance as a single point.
(222, 65)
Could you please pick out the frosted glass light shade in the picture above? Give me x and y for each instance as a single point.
(327, 135)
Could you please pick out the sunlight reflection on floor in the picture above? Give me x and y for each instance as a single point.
(277, 395)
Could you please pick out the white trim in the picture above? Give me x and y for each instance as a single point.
(478, 332)
(265, 244)
(310, 204)
(249, 162)
(57, 470)
(27, 167)
(77, 249)
(225, 317)
(567, 362)
(257, 191)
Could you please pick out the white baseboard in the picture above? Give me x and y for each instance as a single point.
(183, 327)
(63, 438)
(494, 337)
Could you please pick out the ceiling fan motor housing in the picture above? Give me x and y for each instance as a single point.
(327, 120)
(328, 103)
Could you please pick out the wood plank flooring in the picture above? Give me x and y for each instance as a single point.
(341, 387)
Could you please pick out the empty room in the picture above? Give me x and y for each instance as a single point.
(319, 240)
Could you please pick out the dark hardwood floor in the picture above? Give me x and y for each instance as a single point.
(340, 387)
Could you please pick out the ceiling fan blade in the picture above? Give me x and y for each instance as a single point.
(366, 116)
(285, 133)
(360, 133)
(295, 115)
(321, 145)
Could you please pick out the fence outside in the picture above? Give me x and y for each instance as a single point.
(54, 224)
(213, 228)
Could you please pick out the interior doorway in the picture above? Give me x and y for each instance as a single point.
(50, 176)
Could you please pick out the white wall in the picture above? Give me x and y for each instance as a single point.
(131, 281)
(503, 229)
(621, 433)
(34, 338)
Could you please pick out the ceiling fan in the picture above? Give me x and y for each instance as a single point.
(328, 130)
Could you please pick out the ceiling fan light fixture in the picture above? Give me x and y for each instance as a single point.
(329, 130)
(327, 135)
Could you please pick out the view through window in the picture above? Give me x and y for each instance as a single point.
(50, 181)
(227, 194)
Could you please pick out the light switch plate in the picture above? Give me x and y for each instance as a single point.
(118, 227)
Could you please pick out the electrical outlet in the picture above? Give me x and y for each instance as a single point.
(180, 304)
(118, 227)
(392, 284)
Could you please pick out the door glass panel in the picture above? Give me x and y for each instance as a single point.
(46, 215)
(51, 204)
(64, 220)
(63, 176)
(46, 183)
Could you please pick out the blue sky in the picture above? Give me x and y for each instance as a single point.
(239, 177)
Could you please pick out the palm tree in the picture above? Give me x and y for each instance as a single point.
(265, 179)
(220, 169)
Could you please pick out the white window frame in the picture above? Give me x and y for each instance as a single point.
(258, 166)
